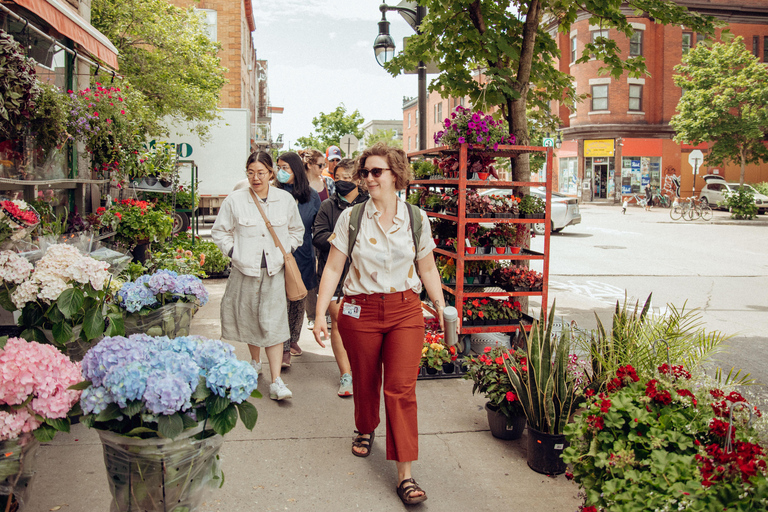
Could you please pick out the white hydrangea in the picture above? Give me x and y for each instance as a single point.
(51, 286)
(25, 292)
(13, 268)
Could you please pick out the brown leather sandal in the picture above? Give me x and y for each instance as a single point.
(362, 442)
(407, 488)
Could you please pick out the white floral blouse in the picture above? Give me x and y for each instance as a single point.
(382, 262)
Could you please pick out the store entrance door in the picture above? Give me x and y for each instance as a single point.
(601, 181)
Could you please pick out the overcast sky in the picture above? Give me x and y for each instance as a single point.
(320, 54)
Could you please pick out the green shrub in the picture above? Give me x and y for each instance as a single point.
(762, 187)
(741, 204)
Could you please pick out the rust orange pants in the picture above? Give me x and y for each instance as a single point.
(386, 340)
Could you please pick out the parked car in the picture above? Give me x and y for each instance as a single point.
(716, 190)
(565, 209)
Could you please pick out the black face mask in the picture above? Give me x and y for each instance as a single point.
(345, 188)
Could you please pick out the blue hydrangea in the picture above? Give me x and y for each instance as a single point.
(127, 382)
(190, 345)
(135, 296)
(167, 393)
(162, 359)
(232, 379)
(110, 352)
(95, 399)
(163, 281)
(192, 285)
(212, 352)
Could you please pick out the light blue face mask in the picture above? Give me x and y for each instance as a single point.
(283, 176)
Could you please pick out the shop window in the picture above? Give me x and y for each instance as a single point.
(569, 176)
(574, 47)
(599, 97)
(636, 43)
(635, 97)
(687, 41)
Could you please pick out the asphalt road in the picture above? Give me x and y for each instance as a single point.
(719, 268)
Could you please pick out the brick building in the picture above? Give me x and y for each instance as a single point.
(619, 139)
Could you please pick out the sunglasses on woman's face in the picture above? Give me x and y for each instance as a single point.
(375, 172)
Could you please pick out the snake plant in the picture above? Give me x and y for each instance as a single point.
(543, 385)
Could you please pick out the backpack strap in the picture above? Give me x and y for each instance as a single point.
(415, 214)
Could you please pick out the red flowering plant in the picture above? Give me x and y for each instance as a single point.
(476, 310)
(136, 221)
(660, 444)
(489, 372)
(434, 353)
(17, 219)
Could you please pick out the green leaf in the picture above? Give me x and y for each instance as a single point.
(70, 301)
(248, 414)
(93, 324)
(201, 391)
(3, 341)
(5, 300)
(62, 333)
(111, 412)
(81, 385)
(140, 430)
(59, 424)
(215, 404)
(45, 433)
(170, 426)
(132, 408)
(188, 422)
(256, 394)
(116, 325)
(224, 421)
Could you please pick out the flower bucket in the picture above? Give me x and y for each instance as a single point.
(141, 251)
(501, 428)
(17, 471)
(160, 474)
(545, 451)
(171, 320)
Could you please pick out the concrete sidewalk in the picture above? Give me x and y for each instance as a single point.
(298, 457)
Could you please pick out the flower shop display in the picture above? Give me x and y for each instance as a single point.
(487, 311)
(61, 298)
(161, 303)
(489, 373)
(517, 278)
(161, 407)
(473, 128)
(667, 443)
(17, 220)
(425, 169)
(213, 261)
(136, 222)
(35, 401)
(179, 260)
(547, 391)
(504, 207)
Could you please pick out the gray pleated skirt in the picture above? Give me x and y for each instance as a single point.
(254, 310)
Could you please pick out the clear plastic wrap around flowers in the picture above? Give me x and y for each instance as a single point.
(171, 320)
(168, 475)
(17, 470)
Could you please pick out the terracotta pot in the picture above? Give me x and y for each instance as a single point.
(514, 250)
(470, 250)
(483, 175)
(500, 250)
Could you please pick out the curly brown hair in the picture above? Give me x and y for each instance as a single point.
(396, 160)
(309, 156)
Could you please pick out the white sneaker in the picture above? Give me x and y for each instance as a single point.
(311, 325)
(345, 385)
(279, 391)
(256, 366)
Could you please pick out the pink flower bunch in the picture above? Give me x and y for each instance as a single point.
(465, 126)
(30, 369)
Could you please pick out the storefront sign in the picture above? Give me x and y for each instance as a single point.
(602, 147)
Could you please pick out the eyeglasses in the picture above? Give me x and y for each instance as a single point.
(322, 165)
(260, 175)
(376, 172)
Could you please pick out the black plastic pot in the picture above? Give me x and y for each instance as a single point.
(501, 428)
(545, 451)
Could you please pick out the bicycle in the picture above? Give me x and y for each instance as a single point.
(640, 201)
(690, 210)
(661, 200)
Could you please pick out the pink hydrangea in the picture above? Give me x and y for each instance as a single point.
(32, 369)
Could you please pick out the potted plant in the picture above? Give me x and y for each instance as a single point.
(61, 298)
(434, 353)
(506, 417)
(447, 268)
(476, 205)
(532, 207)
(161, 304)
(473, 128)
(434, 202)
(509, 312)
(137, 223)
(649, 442)
(547, 391)
(161, 407)
(35, 402)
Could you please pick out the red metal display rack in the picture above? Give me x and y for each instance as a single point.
(462, 183)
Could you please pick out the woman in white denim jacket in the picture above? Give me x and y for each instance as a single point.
(254, 307)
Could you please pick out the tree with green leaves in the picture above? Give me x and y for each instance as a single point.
(331, 127)
(166, 54)
(387, 136)
(510, 43)
(724, 103)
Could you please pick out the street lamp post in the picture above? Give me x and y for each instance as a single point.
(384, 49)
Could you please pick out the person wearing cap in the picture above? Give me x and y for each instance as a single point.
(333, 157)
